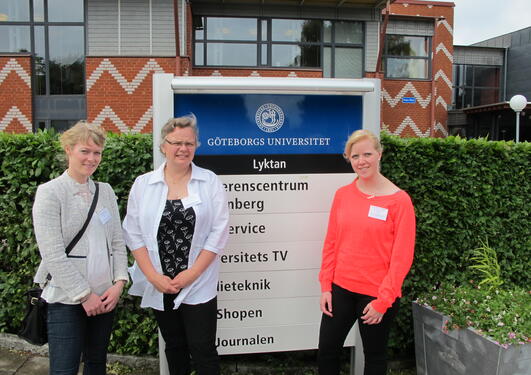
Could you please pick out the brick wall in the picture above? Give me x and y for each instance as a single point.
(428, 116)
(16, 114)
(119, 91)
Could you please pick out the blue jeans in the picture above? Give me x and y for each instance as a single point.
(72, 333)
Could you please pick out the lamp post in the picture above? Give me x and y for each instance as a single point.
(518, 103)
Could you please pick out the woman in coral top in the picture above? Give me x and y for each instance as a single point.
(367, 253)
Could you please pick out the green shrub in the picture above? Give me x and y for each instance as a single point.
(463, 191)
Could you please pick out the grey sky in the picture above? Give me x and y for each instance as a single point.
(477, 20)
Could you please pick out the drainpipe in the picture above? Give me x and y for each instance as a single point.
(432, 102)
(383, 30)
(177, 38)
(505, 74)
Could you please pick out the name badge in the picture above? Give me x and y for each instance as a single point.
(104, 216)
(191, 200)
(379, 213)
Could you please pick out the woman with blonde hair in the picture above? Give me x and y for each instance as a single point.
(368, 251)
(84, 260)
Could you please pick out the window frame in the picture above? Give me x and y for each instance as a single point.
(266, 62)
(32, 24)
(471, 88)
(44, 111)
(427, 58)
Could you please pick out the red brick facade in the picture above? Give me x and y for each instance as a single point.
(428, 115)
(119, 91)
(16, 113)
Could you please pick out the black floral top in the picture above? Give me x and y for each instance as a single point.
(174, 238)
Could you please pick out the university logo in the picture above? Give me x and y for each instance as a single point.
(269, 117)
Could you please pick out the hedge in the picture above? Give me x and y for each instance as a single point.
(464, 192)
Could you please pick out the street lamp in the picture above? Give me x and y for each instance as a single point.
(518, 103)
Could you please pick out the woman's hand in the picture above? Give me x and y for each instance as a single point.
(326, 303)
(112, 295)
(188, 276)
(184, 278)
(371, 316)
(163, 283)
(93, 305)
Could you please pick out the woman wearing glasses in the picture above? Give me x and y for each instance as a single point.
(176, 225)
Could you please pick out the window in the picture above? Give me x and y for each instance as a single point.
(54, 32)
(334, 46)
(296, 43)
(14, 10)
(15, 38)
(407, 57)
(475, 85)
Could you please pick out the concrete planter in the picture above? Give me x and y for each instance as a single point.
(462, 351)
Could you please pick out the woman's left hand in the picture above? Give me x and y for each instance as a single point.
(184, 278)
(371, 316)
(111, 296)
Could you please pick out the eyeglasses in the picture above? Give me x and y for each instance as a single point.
(181, 144)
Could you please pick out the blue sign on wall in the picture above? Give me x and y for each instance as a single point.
(233, 124)
(409, 100)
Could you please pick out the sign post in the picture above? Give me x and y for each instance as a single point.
(277, 145)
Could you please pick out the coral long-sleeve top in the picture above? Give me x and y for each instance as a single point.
(369, 245)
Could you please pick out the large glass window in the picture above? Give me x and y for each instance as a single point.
(53, 31)
(475, 85)
(336, 47)
(54, 34)
(407, 57)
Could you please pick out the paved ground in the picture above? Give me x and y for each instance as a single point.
(17, 357)
(20, 358)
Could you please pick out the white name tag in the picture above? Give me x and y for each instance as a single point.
(104, 216)
(379, 213)
(191, 200)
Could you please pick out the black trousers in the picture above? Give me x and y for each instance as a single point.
(190, 333)
(347, 307)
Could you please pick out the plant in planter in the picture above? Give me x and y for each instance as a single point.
(477, 328)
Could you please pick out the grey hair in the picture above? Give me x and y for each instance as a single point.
(189, 121)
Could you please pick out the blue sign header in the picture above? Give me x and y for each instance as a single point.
(232, 124)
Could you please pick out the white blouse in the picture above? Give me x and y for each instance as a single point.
(147, 199)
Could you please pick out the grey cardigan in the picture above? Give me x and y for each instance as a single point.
(57, 218)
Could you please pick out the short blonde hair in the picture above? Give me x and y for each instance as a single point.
(82, 131)
(360, 135)
(189, 121)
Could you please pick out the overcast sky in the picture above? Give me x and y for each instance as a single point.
(477, 20)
